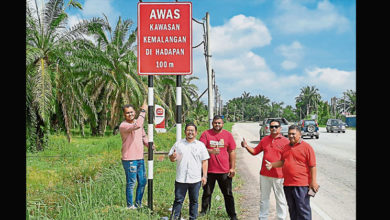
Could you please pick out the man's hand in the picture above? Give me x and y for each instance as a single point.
(231, 173)
(268, 165)
(173, 156)
(243, 143)
(204, 180)
(145, 105)
(214, 151)
(315, 186)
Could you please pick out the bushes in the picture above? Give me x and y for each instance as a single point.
(84, 179)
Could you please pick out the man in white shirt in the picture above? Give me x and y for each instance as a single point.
(191, 170)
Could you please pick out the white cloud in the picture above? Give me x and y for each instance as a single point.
(239, 34)
(332, 78)
(245, 66)
(295, 18)
(293, 54)
(73, 20)
(236, 66)
(288, 65)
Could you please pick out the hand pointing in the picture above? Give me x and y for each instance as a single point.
(243, 143)
(268, 165)
(173, 156)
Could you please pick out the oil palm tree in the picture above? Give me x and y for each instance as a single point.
(45, 31)
(308, 99)
(112, 80)
(348, 102)
(189, 94)
(166, 95)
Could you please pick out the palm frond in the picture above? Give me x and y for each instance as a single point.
(42, 90)
(53, 14)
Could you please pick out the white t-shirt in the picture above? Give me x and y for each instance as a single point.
(189, 160)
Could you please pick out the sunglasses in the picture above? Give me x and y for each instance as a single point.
(274, 126)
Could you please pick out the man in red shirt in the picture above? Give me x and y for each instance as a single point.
(273, 146)
(222, 163)
(300, 174)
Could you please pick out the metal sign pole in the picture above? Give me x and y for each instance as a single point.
(150, 136)
(178, 107)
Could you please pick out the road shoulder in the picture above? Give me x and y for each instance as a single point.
(248, 168)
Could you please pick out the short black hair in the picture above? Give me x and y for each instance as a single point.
(217, 117)
(191, 124)
(294, 127)
(275, 120)
(127, 106)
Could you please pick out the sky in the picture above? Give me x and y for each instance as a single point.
(271, 48)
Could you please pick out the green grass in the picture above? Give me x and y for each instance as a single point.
(84, 179)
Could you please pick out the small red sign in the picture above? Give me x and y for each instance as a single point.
(164, 38)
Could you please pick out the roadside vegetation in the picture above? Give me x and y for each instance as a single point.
(84, 179)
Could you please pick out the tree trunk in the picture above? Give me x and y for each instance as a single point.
(66, 119)
(82, 127)
(102, 122)
(94, 130)
(39, 133)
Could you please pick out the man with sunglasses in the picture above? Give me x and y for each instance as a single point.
(273, 147)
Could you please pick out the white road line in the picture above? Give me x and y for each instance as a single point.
(320, 212)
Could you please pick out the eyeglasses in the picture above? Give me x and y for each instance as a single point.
(274, 126)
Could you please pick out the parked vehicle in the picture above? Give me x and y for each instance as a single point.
(309, 128)
(265, 130)
(333, 125)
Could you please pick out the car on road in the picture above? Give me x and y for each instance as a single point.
(265, 130)
(333, 125)
(309, 128)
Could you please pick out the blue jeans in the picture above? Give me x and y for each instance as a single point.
(135, 171)
(180, 194)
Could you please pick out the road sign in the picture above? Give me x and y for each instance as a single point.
(164, 38)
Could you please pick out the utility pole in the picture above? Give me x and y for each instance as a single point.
(209, 72)
(234, 113)
(216, 99)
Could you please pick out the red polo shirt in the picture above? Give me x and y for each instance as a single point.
(273, 149)
(297, 162)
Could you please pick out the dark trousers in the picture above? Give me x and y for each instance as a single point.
(298, 202)
(225, 184)
(180, 194)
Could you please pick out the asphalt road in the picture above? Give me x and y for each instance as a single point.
(336, 173)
